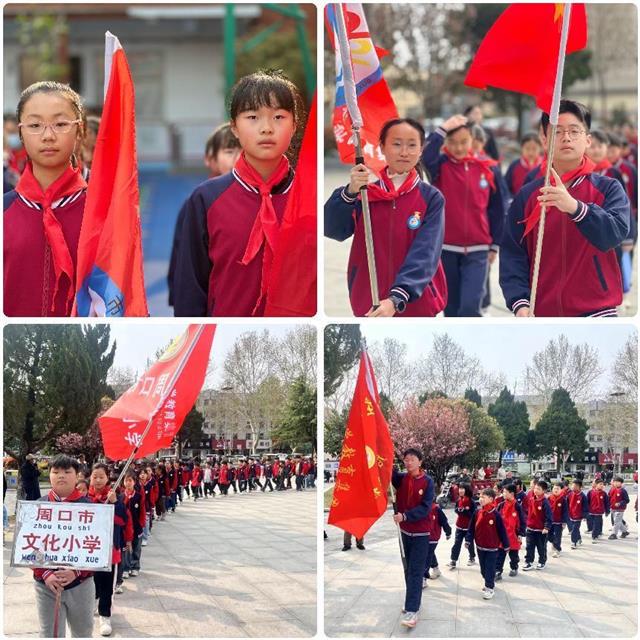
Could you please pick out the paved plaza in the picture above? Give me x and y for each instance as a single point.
(590, 592)
(240, 566)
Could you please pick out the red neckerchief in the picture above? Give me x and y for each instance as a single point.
(530, 166)
(69, 182)
(376, 192)
(602, 166)
(266, 226)
(99, 496)
(72, 497)
(485, 162)
(586, 167)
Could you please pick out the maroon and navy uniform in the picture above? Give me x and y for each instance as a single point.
(407, 239)
(475, 201)
(559, 516)
(465, 508)
(490, 535)
(218, 218)
(414, 497)
(578, 508)
(618, 499)
(579, 272)
(598, 502)
(515, 525)
(539, 518)
(517, 173)
(437, 522)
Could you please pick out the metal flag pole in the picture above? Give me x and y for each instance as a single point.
(551, 140)
(351, 99)
(395, 511)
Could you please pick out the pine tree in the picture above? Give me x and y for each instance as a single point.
(513, 419)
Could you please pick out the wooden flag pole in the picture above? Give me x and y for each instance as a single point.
(551, 140)
(395, 511)
(356, 124)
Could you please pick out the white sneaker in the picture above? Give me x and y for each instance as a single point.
(125, 575)
(554, 554)
(145, 543)
(133, 573)
(410, 619)
(119, 589)
(435, 573)
(488, 594)
(95, 611)
(470, 562)
(425, 583)
(105, 626)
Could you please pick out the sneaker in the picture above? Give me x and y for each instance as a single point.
(360, 546)
(105, 626)
(118, 588)
(580, 541)
(624, 534)
(346, 547)
(488, 594)
(527, 567)
(425, 583)
(125, 575)
(539, 566)
(554, 554)
(613, 536)
(133, 573)
(471, 562)
(144, 543)
(410, 619)
(452, 564)
(95, 611)
(574, 545)
(435, 573)
(513, 573)
(498, 576)
(594, 541)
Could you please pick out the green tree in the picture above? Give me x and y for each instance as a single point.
(298, 428)
(473, 396)
(335, 423)
(513, 419)
(486, 432)
(561, 431)
(190, 431)
(342, 344)
(431, 395)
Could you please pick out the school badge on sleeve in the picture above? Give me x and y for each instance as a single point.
(420, 492)
(414, 220)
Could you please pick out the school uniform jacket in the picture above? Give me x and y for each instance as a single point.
(488, 530)
(559, 509)
(217, 221)
(630, 179)
(465, 508)
(598, 502)
(618, 499)
(474, 213)
(27, 255)
(579, 273)
(437, 522)
(516, 174)
(414, 497)
(135, 503)
(514, 522)
(407, 239)
(539, 514)
(578, 505)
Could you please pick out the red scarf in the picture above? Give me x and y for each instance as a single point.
(69, 182)
(484, 162)
(72, 497)
(586, 167)
(266, 226)
(530, 166)
(99, 496)
(376, 192)
(602, 166)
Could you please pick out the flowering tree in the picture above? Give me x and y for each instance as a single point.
(439, 428)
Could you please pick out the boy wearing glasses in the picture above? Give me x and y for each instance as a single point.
(588, 216)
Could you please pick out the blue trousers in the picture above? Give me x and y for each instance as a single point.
(416, 550)
(457, 545)
(575, 530)
(466, 276)
(555, 536)
(432, 561)
(488, 566)
(536, 541)
(596, 532)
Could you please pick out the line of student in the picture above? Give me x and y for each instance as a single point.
(458, 223)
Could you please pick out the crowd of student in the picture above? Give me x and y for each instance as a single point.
(149, 491)
(493, 528)
(437, 233)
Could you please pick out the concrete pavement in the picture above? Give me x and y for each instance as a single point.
(589, 592)
(240, 566)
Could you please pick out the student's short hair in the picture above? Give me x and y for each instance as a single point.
(100, 465)
(600, 136)
(599, 481)
(478, 133)
(543, 485)
(131, 474)
(221, 138)
(615, 140)
(468, 126)
(579, 110)
(577, 481)
(470, 108)
(618, 479)
(467, 489)
(530, 137)
(93, 123)
(489, 492)
(560, 485)
(395, 121)
(82, 481)
(518, 482)
(511, 488)
(411, 451)
(63, 461)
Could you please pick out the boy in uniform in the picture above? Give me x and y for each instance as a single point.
(539, 521)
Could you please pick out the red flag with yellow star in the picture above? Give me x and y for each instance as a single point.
(520, 52)
(364, 474)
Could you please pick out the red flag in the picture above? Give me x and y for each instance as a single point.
(374, 98)
(163, 395)
(292, 283)
(110, 279)
(520, 52)
(366, 461)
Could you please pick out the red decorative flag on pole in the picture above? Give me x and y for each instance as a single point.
(148, 415)
(520, 52)
(292, 283)
(110, 280)
(374, 98)
(366, 461)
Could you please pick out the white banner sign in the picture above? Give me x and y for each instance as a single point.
(78, 535)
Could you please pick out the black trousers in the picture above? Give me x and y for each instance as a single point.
(536, 541)
(105, 582)
(574, 526)
(555, 536)
(457, 545)
(596, 532)
(267, 483)
(488, 567)
(514, 559)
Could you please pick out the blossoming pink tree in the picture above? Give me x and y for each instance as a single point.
(439, 428)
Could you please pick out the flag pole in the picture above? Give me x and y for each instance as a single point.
(551, 140)
(356, 124)
(133, 453)
(395, 511)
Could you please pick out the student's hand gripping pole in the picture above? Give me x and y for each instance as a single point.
(395, 511)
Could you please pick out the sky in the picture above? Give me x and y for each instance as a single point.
(506, 347)
(137, 342)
